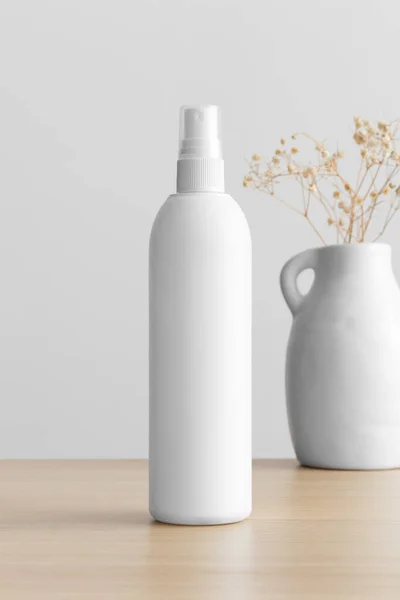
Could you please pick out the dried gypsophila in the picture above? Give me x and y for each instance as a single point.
(349, 207)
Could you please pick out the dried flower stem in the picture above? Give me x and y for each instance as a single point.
(352, 208)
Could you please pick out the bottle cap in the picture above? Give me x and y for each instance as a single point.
(200, 132)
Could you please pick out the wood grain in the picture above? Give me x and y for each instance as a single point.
(80, 529)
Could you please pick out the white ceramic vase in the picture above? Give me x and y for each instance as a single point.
(343, 358)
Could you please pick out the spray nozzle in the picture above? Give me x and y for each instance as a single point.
(200, 132)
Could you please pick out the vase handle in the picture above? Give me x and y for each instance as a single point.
(289, 274)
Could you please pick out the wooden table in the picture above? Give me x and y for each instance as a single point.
(80, 530)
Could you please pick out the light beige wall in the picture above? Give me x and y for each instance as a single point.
(89, 98)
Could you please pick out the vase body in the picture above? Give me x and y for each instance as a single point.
(343, 358)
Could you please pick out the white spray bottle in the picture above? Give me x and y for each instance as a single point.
(200, 339)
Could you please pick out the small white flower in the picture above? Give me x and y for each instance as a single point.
(361, 136)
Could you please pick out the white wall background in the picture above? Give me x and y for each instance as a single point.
(89, 98)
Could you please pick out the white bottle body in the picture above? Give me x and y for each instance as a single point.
(200, 361)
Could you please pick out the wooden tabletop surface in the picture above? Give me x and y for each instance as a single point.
(80, 530)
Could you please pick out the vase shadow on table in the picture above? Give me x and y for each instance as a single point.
(279, 464)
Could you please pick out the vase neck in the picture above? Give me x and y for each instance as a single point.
(346, 260)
